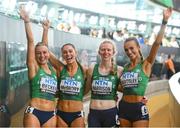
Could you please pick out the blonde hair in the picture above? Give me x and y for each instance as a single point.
(113, 70)
(41, 44)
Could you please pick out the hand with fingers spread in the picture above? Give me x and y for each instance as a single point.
(24, 14)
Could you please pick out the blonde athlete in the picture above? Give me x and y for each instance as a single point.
(43, 82)
(103, 81)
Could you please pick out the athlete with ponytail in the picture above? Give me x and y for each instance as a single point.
(103, 80)
(71, 79)
(135, 77)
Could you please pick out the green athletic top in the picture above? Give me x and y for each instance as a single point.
(134, 81)
(44, 85)
(104, 87)
(71, 88)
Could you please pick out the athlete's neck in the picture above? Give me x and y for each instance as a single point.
(105, 65)
(72, 68)
(45, 67)
(135, 62)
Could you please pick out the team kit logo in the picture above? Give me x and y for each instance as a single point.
(48, 84)
(102, 86)
(70, 85)
(130, 79)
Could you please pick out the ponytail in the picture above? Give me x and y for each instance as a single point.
(142, 58)
(113, 68)
(82, 69)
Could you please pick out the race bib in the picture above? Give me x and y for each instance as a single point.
(101, 87)
(129, 79)
(144, 110)
(70, 86)
(48, 84)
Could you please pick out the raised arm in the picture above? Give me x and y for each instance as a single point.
(45, 25)
(57, 64)
(31, 62)
(166, 14)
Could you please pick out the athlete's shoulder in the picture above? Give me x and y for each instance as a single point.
(119, 70)
(91, 68)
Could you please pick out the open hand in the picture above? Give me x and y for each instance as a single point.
(167, 13)
(24, 14)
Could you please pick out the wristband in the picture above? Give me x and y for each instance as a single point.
(164, 22)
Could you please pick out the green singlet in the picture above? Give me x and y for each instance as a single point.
(44, 85)
(71, 88)
(104, 87)
(134, 81)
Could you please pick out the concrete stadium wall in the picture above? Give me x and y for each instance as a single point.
(174, 107)
(157, 88)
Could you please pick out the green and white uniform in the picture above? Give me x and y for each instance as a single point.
(71, 88)
(104, 87)
(44, 85)
(134, 81)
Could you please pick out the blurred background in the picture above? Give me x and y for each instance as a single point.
(85, 23)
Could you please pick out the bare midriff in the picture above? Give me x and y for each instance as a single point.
(132, 98)
(42, 104)
(102, 104)
(70, 105)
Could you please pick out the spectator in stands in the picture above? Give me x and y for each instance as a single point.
(110, 35)
(140, 38)
(41, 110)
(125, 33)
(165, 42)
(74, 28)
(118, 36)
(135, 77)
(63, 27)
(152, 38)
(160, 58)
(173, 42)
(103, 81)
(170, 67)
(93, 32)
(71, 79)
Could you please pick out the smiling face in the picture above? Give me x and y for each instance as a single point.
(69, 53)
(132, 49)
(42, 54)
(106, 50)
